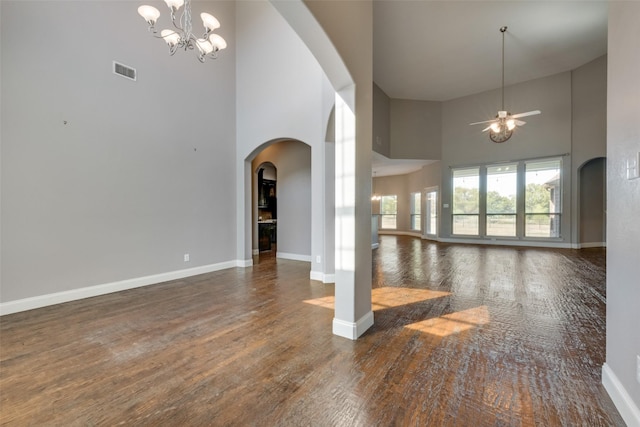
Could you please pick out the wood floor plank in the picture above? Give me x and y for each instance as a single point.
(463, 336)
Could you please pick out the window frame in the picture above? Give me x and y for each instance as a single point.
(521, 214)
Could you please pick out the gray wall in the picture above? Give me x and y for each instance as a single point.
(281, 93)
(381, 124)
(416, 129)
(589, 135)
(623, 196)
(548, 134)
(292, 160)
(142, 172)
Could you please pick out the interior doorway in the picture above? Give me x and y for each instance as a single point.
(267, 207)
(592, 222)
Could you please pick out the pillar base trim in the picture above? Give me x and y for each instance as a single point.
(351, 330)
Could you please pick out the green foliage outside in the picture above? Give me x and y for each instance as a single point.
(497, 204)
(465, 201)
(389, 205)
(536, 199)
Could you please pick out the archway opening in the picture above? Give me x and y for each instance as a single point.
(592, 201)
(281, 201)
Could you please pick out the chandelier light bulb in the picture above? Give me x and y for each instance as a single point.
(511, 124)
(495, 127)
(174, 4)
(209, 21)
(217, 41)
(205, 46)
(149, 13)
(171, 37)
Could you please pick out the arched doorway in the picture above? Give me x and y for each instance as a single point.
(281, 200)
(592, 202)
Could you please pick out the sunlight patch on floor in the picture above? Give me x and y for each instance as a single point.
(453, 323)
(387, 297)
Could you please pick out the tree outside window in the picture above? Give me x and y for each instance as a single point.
(388, 211)
(466, 201)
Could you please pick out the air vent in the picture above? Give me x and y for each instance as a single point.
(124, 71)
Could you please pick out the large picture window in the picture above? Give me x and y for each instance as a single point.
(466, 201)
(519, 199)
(388, 211)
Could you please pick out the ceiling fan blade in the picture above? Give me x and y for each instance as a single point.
(479, 123)
(486, 129)
(528, 113)
(520, 122)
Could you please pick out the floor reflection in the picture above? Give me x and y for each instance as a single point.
(453, 323)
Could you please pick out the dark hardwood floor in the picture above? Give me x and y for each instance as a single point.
(463, 336)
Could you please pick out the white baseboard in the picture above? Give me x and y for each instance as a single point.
(529, 243)
(294, 257)
(590, 245)
(625, 405)
(351, 330)
(375, 246)
(400, 233)
(39, 301)
(322, 277)
(255, 251)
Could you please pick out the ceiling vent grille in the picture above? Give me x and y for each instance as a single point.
(124, 71)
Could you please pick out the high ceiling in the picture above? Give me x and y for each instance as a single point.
(441, 50)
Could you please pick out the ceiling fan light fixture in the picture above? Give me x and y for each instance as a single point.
(502, 135)
(502, 126)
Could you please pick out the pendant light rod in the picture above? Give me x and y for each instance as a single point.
(503, 30)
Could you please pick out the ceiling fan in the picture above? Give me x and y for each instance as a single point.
(501, 128)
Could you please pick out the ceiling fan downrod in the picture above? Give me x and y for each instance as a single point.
(503, 30)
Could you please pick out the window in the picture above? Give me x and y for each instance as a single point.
(466, 201)
(519, 199)
(388, 211)
(416, 201)
(432, 213)
(542, 198)
(502, 189)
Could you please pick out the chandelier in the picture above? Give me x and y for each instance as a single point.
(181, 37)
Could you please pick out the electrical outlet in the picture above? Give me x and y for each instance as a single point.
(318, 259)
(638, 369)
(186, 257)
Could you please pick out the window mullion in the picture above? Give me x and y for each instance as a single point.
(520, 204)
(482, 208)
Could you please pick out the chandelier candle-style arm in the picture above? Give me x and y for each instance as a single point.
(182, 37)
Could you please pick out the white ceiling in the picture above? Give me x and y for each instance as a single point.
(441, 50)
